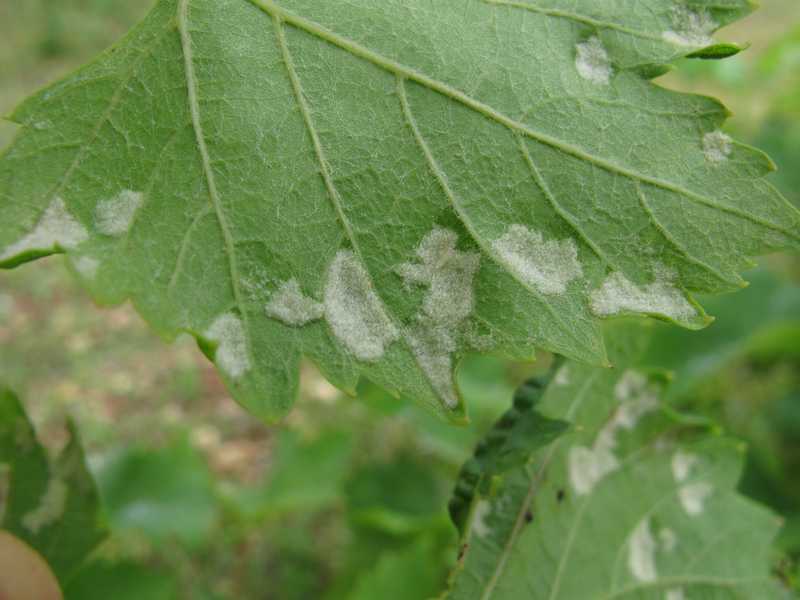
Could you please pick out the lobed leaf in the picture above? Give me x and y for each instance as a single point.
(630, 503)
(384, 187)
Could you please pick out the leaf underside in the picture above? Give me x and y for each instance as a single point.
(384, 187)
(627, 504)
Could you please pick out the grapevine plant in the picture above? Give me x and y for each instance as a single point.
(385, 187)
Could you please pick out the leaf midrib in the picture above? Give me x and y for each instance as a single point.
(406, 72)
(213, 193)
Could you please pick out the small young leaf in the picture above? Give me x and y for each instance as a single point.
(385, 186)
(624, 505)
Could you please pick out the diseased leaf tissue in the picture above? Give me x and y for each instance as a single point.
(384, 186)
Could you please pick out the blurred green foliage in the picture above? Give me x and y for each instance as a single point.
(348, 499)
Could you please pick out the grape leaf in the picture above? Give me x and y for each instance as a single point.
(630, 503)
(53, 506)
(384, 187)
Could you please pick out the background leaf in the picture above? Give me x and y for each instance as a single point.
(658, 498)
(52, 506)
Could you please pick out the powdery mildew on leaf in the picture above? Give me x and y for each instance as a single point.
(291, 306)
(115, 216)
(546, 265)
(57, 229)
(87, 266)
(588, 466)
(692, 28)
(433, 336)
(675, 594)
(354, 311)
(51, 506)
(592, 61)
(641, 553)
(717, 146)
(447, 273)
(682, 463)
(231, 355)
(478, 524)
(693, 497)
(619, 295)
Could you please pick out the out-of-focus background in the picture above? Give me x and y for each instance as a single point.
(347, 499)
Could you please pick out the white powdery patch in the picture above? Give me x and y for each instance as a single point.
(291, 306)
(482, 511)
(674, 594)
(693, 497)
(87, 266)
(114, 217)
(231, 355)
(448, 273)
(682, 464)
(690, 28)
(717, 147)
(667, 539)
(619, 295)
(562, 376)
(354, 311)
(51, 507)
(642, 553)
(546, 265)
(57, 229)
(589, 466)
(433, 348)
(592, 61)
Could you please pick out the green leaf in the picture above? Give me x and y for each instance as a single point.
(165, 494)
(384, 187)
(124, 581)
(413, 573)
(308, 476)
(627, 504)
(52, 506)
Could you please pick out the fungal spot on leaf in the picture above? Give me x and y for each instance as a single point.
(546, 265)
(675, 594)
(56, 230)
(231, 355)
(354, 311)
(433, 348)
(447, 272)
(291, 306)
(693, 497)
(562, 376)
(690, 28)
(588, 466)
(51, 507)
(114, 217)
(682, 464)
(667, 539)
(592, 61)
(641, 553)
(618, 295)
(717, 147)
(87, 266)
(481, 512)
